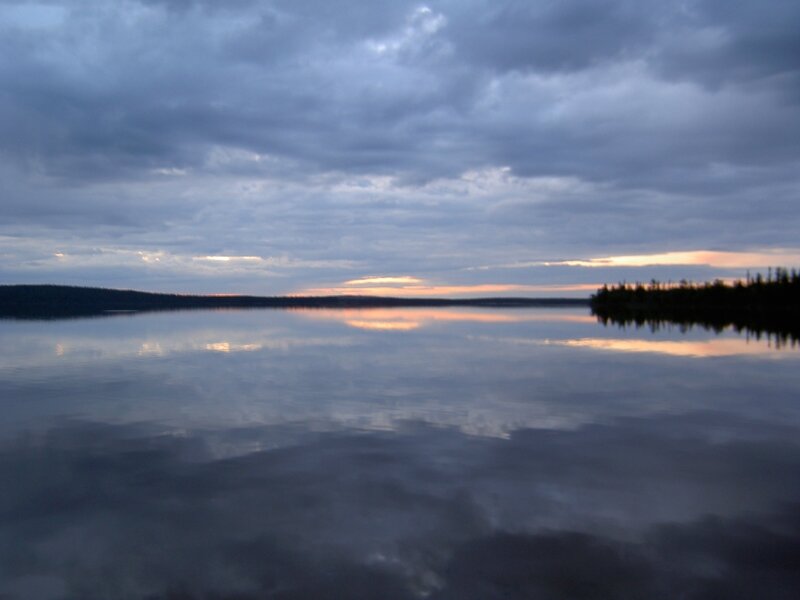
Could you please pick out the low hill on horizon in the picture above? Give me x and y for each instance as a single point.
(55, 301)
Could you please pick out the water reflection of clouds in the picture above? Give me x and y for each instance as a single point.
(43, 350)
(228, 347)
(257, 454)
(269, 367)
(697, 349)
(708, 348)
(397, 515)
(168, 346)
(157, 335)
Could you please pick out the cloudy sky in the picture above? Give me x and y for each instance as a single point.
(443, 147)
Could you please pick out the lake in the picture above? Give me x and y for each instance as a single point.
(395, 453)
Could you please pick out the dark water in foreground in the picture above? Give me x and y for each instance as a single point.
(439, 453)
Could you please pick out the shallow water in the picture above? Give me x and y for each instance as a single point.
(395, 453)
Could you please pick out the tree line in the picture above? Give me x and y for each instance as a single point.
(760, 305)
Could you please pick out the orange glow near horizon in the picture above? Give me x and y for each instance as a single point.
(697, 349)
(403, 279)
(449, 290)
(730, 260)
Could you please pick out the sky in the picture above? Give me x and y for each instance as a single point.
(452, 147)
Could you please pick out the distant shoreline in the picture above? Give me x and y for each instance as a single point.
(61, 301)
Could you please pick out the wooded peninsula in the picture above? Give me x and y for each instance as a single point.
(762, 305)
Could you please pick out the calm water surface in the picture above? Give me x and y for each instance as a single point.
(404, 453)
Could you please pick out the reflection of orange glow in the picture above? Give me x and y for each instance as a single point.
(219, 347)
(219, 258)
(228, 347)
(699, 349)
(694, 257)
(406, 319)
(150, 348)
(383, 325)
(450, 290)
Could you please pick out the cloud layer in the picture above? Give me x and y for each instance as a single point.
(393, 138)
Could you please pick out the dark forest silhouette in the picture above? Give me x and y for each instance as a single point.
(760, 305)
(59, 301)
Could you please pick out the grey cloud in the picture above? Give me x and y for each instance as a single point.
(554, 36)
(720, 43)
(298, 81)
(627, 222)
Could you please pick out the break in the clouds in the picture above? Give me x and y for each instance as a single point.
(276, 147)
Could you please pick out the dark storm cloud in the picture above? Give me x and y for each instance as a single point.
(548, 36)
(718, 43)
(376, 87)
(116, 94)
(395, 515)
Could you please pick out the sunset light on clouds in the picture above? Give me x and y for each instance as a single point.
(729, 260)
(423, 289)
(402, 280)
(460, 148)
(230, 258)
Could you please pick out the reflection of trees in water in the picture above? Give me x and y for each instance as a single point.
(759, 307)
(778, 331)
